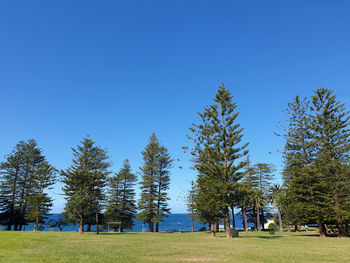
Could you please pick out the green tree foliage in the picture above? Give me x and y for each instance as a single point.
(217, 152)
(244, 195)
(261, 176)
(162, 180)
(276, 198)
(155, 183)
(39, 202)
(331, 134)
(85, 182)
(23, 182)
(302, 195)
(190, 202)
(121, 204)
(259, 201)
(316, 154)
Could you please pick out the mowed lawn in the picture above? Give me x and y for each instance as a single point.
(170, 247)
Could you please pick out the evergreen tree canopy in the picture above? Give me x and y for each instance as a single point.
(121, 204)
(316, 155)
(155, 183)
(24, 178)
(217, 151)
(85, 181)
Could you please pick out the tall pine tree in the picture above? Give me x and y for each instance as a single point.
(224, 149)
(121, 204)
(85, 182)
(22, 179)
(331, 135)
(155, 182)
(39, 202)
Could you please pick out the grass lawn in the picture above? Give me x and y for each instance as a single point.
(170, 247)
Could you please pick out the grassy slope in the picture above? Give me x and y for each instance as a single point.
(175, 247)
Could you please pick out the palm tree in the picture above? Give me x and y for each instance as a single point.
(259, 201)
(276, 199)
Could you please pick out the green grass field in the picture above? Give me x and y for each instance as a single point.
(170, 247)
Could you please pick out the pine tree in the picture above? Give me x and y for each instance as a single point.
(121, 204)
(330, 126)
(39, 202)
(32, 157)
(162, 182)
(206, 201)
(11, 171)
(309, 174)
(85, 181)
(155, 182)
(305, 199)
(190, 202)
(19, 183)
(224, 150)
(262, 176)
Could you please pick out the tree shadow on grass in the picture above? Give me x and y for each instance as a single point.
(269, 237)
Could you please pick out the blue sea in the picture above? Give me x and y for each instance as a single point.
(174, 222)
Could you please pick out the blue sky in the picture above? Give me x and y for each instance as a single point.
(120, 70)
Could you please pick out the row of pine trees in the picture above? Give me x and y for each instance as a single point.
(316, 172)
(315, 188)
(94, 195)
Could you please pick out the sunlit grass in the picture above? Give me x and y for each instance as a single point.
(170, 247)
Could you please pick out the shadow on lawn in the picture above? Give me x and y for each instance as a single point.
(269, 237)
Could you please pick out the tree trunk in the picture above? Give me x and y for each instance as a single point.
(245, 219)
(81, 226)
(97, 229)
(296, 228)
(227, 223)
(233, 217)
(157, 227)
(150, 227)
(346, 227)
(280, 219)
(288, 228)
(88, 227)
(258, 218)
(36, 223)
(212, 230)
(322, 229)
(254, 218)
(262, 218)
(341, 230)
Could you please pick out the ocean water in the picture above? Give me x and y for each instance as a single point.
(174, 222)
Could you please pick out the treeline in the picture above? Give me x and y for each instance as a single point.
(316, 174)
(315, 189)
(94, 194)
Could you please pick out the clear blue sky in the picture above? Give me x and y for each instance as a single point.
(119, 71)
